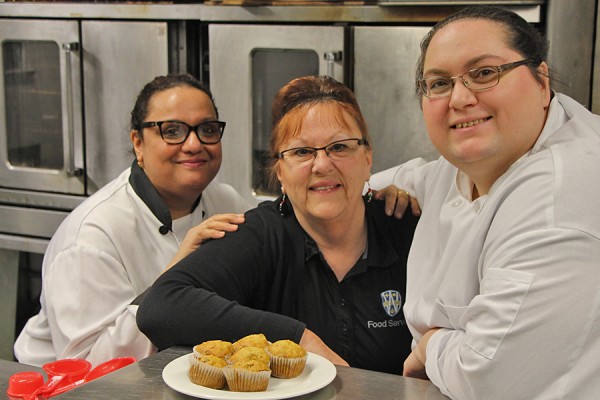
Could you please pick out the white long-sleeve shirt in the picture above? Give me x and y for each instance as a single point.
(513, 277)
(105, 253)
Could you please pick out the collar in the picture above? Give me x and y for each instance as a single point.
(147, 192)
(378, 244)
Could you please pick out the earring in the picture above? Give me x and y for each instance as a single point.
(369, 192)
(281, 203)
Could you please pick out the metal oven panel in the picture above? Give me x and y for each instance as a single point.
(30, 221)
(40, 118)
(385, 60)
(234, 50)
(119, 58)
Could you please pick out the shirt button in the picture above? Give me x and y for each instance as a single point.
(345, 328)
(456, 203)
(343, 303)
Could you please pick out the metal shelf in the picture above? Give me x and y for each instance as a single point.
(385, 12)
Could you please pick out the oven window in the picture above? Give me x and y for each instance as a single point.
(33, 104)
(271, 69)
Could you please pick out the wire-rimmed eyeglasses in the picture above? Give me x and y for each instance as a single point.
(476, 79)
(338, 150)
(176, 132)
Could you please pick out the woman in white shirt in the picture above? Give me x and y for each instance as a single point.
(112, 247)
(503, 296)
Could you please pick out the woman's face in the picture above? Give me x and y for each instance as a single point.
(179, 172)
(483, 132)
(322, 188)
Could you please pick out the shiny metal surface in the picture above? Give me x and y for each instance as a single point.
(46, 200)
(384, 64)
(570, 31)
(30, 221)
(9, 274)
(114, 71)
(143, 380)
(382, 13)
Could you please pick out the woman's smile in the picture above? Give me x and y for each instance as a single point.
(325, 187)
(469, 123)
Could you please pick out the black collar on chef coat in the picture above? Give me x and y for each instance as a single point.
(147, 192)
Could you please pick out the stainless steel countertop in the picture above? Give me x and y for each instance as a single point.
(386, 11)
(143, 380)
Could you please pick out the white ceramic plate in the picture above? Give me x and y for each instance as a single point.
(318, 373)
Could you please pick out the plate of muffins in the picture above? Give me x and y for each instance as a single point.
(250, 368)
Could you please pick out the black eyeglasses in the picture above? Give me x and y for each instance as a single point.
(176, 132)
(476, 79)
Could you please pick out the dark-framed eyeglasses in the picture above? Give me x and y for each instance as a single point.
(338, 150)
(176, 132)
(476, 79)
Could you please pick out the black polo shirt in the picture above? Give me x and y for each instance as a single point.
(363, 320)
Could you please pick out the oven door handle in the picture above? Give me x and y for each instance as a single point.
(331, 57)
(72, 170)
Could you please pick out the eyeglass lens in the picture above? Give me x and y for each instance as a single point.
(177, 132)
(475, 79)
(337, 150)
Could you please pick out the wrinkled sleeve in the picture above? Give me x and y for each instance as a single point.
(208, 294)
(410, 176)
(88, 307)
(535, 317)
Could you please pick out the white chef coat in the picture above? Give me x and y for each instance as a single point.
(513, 277)
(105, 253)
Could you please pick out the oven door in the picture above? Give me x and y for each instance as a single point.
(385, 58)
(40, 106)
(248, 65)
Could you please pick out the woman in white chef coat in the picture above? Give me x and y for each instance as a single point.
(112, 247)
(503, 296)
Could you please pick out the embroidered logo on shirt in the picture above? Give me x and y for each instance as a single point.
(391, 300)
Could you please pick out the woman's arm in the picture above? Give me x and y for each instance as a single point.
(532, 327)
(216, 293)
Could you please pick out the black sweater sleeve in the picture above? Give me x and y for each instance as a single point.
(222, 290)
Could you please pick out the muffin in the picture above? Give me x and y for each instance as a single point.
(207, 370)
(288, 359)
(247, 376)
(249, 353)
(219, 348)
(256, 340)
